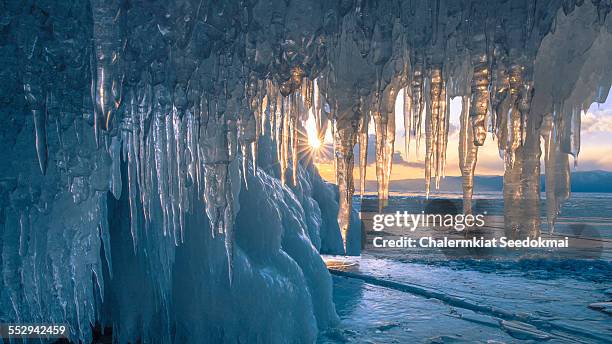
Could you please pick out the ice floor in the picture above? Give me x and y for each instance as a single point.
(428, 296)
(384, 300)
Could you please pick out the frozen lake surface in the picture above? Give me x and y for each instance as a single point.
(399, 296)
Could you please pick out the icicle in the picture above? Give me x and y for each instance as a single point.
(468, 155)
(229, 238)
(514, 120)
(417, 103)
(389, 150)
(132, 196)
(37, 102)
(500, 103)
(92, 92)
(333, 129)
(285, 139)
(407, 115)
(446, 130)
(524, 104)
(160, 153)
(512, 195)
(273, 108)
(530, 175)
(264, 111)
(144, 108)
(363, 150)
(380, 126)
(245, 162)
(480, 99)
(500, 82)
(179, 124)
(218, 150)
(192, 160)
(171, 168)
(257, 131)
(601, 93)
(248, 130)
(344, 145)
(442, 135)
(279, 110)
(295, 114)
(549, 165)
(40, 131)
(433, 126)
(107, 45)
(575, 134)
(557, 168)
(317, 110)
(115, 153)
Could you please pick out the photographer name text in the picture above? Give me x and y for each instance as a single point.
(446, 242)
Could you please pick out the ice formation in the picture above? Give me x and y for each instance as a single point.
(151, 118)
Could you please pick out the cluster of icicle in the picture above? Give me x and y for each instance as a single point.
(180, 138)
(176, 143)
(497, 89)
(498, 103)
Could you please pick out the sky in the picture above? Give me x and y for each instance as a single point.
(595, 150)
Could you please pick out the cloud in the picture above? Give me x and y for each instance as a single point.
(397, 156)
(325, 154)
(597, 120)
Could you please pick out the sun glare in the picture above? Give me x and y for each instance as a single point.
(311, 131)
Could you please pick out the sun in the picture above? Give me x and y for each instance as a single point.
(314, 142)
(311, 131)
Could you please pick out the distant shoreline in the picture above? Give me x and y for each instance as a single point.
(581, 181)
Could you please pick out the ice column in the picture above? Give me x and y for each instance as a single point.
(468, 154)
(435, 129)
(346, 135)
(479, 103)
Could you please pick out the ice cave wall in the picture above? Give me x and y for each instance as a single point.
(150, 176)
(119, 209)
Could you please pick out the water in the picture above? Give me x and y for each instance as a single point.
(592, 209)
(400, 296)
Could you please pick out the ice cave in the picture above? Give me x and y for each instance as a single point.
(158, 175)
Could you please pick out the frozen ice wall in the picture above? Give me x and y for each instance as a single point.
(155, 176)
(124, 199)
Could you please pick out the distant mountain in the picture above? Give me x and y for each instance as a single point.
(592, 181)
(583, 181)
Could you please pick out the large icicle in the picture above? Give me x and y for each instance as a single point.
(363, 150)
(468, 155)
(40, 130)
(556, 168)
(295, 115)
(389, 150)
(479, 104)
(37, 102)
(285, 134)
(380, 126)
(346, 135)
(435, 128)
(407, 116)
(107, 45)
(417, 102)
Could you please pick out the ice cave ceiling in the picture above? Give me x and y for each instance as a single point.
(178, 91)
